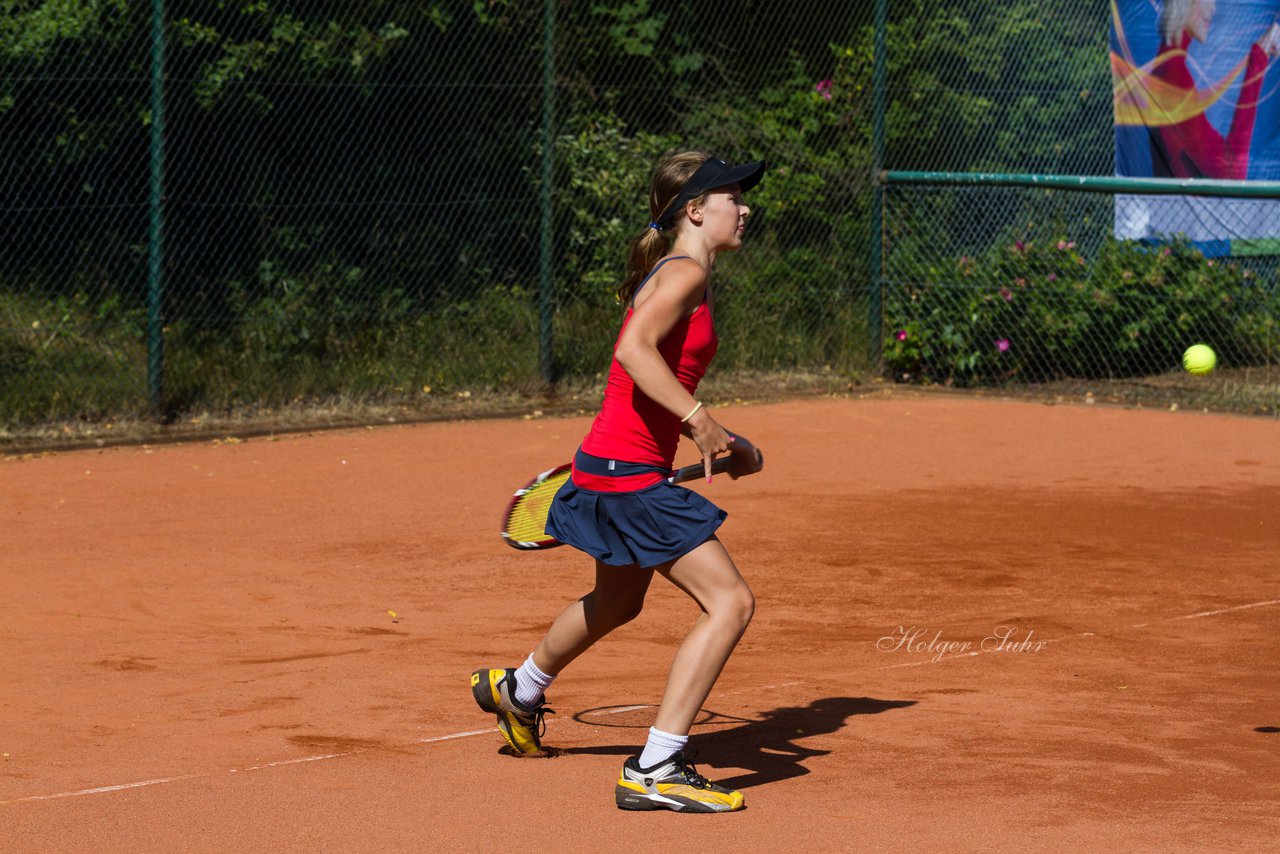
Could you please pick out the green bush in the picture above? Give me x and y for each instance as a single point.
(302, 341)
(69, 356)
(601, 201)
(1039, 311)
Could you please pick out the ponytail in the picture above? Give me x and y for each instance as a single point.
(644, 252)
(648, 248)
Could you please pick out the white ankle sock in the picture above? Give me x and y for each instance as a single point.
(531, 683)
(660, 747)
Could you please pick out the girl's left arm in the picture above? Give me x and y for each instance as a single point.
(676, 292)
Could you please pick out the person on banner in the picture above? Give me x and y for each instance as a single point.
(1191, 147)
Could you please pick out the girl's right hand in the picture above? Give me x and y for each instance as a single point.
(711, 439)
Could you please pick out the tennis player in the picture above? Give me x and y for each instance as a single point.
(618, 507)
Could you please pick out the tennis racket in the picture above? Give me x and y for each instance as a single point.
(524, 523)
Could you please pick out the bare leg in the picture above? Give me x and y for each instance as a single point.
(617, 599)
(708, 575)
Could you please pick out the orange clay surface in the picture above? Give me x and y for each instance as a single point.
(265, 646)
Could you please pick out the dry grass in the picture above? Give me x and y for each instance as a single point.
(1247, 391)
(742, 387)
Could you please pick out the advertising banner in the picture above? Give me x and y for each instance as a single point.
(1195, 97)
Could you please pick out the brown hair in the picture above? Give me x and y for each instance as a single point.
(646, 249)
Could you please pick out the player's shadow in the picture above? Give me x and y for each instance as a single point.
(768, 747)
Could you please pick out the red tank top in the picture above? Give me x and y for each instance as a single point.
(630, 425)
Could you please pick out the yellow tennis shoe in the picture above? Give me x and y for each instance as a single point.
(672, 785)
(523, 728)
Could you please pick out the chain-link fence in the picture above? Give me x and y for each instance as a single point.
(1016, 286)
(1087, 287)
(377, 202)
(353, 204)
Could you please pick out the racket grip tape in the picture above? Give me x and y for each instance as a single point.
(719, 466)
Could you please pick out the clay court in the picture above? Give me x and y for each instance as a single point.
(264, 645)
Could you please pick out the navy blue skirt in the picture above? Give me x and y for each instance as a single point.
(646, 527)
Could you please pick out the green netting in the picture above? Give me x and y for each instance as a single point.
(352, 194)
(353, 208)
(1056, 291)
(1016, 287)
(999, 86)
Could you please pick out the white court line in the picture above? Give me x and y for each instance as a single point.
(278, 764)
(943, 657)
(466, 734)
(1229, 610)
(283, 762)
(1212, 613)
(101, 789)
(620, 709)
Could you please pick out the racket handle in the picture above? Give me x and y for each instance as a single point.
(719, 466)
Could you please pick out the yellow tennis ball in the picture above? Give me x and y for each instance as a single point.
(1199, 359)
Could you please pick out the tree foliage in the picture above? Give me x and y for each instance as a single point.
(333, 165)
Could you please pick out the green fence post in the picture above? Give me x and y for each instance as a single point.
(875, 313)
(545, 363)
(155, 248)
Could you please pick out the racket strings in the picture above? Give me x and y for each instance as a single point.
(527, 520)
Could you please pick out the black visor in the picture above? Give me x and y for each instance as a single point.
(711, 174)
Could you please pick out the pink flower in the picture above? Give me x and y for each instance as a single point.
(1002, 344)
(1211, 262)
(1018, 246)
(1166, 251)
(823, 88)
(1062, 245)
(901, 335)
(1006, 294)
(1053, 277)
